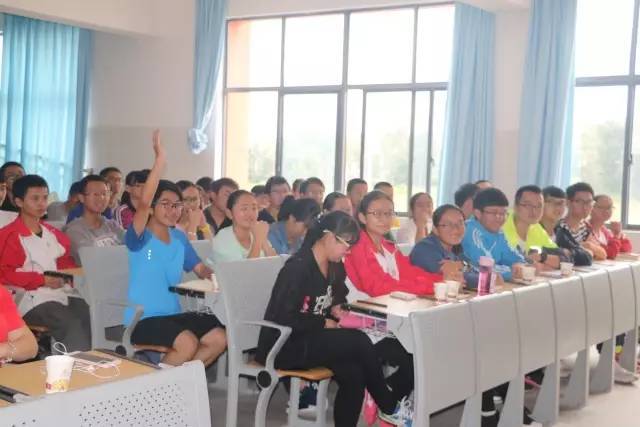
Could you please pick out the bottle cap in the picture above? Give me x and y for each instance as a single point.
(486, 261)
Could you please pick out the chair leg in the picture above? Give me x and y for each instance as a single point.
(232, 396)
(321, 403)
(546, 407)
(221, 382)
(629, 358)
(576, 393)
(602, 378)
(263, 403)
(511, 414)
(294, 402)
(472, 412)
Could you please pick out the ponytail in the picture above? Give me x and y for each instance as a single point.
(339, 223)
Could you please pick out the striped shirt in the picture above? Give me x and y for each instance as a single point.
(581, 233)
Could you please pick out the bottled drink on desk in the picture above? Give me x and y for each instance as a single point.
(485, 278)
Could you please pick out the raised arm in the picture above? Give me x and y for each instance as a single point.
(144, 205)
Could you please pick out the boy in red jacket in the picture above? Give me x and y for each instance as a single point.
(31, 247)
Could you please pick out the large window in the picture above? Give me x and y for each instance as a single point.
(606, 120)
(338, 96)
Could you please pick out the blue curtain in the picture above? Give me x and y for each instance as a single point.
(545, 118)
(467, 153)
(210, 31)
(44, 98)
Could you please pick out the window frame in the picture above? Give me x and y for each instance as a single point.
(342, 90)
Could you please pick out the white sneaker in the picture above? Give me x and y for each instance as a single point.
(402, 416)
(622, 376)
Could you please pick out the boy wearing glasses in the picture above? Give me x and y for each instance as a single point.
(92, 228)
(483, 235)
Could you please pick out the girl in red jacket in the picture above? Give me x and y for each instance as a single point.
(374, 265)
(613, 241)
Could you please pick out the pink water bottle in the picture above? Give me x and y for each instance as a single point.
(484, 278)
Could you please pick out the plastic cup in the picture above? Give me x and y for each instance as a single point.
(441, 289)
(528, 273)
(59, 370)
(566, 268)
(453, 288)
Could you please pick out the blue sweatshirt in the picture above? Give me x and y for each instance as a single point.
(478, 241)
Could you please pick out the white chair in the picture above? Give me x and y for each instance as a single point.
(246, 289)
(405, 248)
(57, 224)
(623, 298)
(537, 325)
(497, 345)
(597, 297)
(176, 396)
(443, 359)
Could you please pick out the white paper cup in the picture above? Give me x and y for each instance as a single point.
(441, 289)
(453, 288)
(566, 268)
(59, 370)
(528, 273)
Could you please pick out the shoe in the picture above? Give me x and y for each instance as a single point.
(622, 376)
(370, 409)
(402, 416)
(308, 396)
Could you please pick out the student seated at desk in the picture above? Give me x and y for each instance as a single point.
(17, 342)
(613, 241)
(6, 217)
(10, 172)
(374, 265)
(419, 224)
(294, 219)
(277, 187)
(92, 228)
(158, 254)
(59, 211)
(216, 212)
(337, 201)
(192, 221)
(307, 297)
(31, 248)
(247, 237)
(483, 235)
(464, 196)
(134, 181)
(357, 188)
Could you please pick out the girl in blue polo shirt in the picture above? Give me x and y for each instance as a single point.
(158, 254)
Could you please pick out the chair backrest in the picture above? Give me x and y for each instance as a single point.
(167, 397)
(597, 298)
(635, 272)
(537, 324)
(497, 342)
(405, 248)
(444, 356)
(623, 298)
(204, 249)
(246, 289)
(106, 271)
(570, 315)
(57, 224)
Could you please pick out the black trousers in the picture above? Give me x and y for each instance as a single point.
(68, 324)
(391, 352)
(356, 365)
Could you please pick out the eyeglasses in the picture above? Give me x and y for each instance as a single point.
(583, 202)
(382, 214)
(168, 205)
(604, 208)
(452, 225)
(530, 207)
(497, 214)
(191, 199)
(338, 239)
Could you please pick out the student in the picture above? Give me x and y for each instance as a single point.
(192, 221)
(113, 176)
(524, 232)
(215, 214)
(441, 252)
(374, 265)
(6, 217)
(260, 191)
(613, 241)
(278, 188)
(357, 188)
(580, 203)
(10, 172)
(294, 220)
(203, 184)
(247, 237)
(418, 226)
(385, 187)
(92, 228)
(463, 198)
(483, 235)
(295, 188)
(31, 247)
(555, 206)
(483, 184)
(17, 342)
(307, 297)
(313, 188)
(337, 202)
(158, 253)
(59, 211)
(134, 182)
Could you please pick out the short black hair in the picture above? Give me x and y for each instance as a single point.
(302, 210)
(330, 200)
(233, 197)
(7, 165)
(296, 184)
(106, 171)
(306, 183)
(166, 185)
(82, 184)
(353, 182)
(579, 187)
(465, 192)
(370, 198)
(481, 181)
(24, 183)
(76, 188)
(136, 177)
(381, 184)
(526, 189)
(183, 184)
(259, 190)
(489, 197)
(217, 185)
(273, 181)
(204, 182)
(438, 213)
(553, 191)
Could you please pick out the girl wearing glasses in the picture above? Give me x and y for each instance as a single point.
(158, 254)
(192, 221)
(306, 297)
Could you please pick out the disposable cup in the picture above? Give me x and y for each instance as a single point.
(441, 289)
(59, 370)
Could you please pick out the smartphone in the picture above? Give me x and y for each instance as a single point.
(68, 278)
(94, 359)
